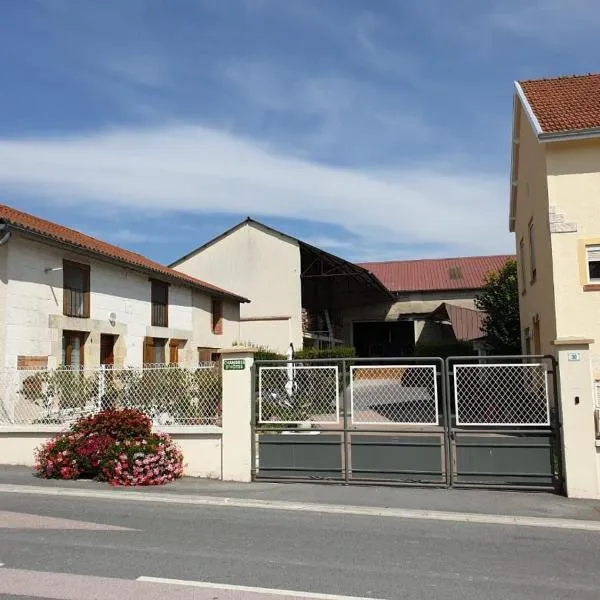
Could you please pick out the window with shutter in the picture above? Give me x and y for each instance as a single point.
(154, 351)
(76, 290)
(532, 262)
(217, 316)
(72, 349)
(160, 304)
(593, 263)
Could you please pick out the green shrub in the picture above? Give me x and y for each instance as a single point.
(314, 353)
(444, 349)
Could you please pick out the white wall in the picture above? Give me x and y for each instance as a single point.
(263, 267)
(201, 447)
(202, 318)
(34, 321)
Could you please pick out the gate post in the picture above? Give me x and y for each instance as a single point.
(237, 414)
(578, 434)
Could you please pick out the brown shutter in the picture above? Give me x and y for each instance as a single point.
(174, 352)
(148, 355)
(86, 295)
(217, 316)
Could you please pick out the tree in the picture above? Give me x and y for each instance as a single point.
(499, 299)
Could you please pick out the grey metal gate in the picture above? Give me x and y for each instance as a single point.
(409, 421)
(504, 422)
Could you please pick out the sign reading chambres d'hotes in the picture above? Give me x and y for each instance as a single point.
(234, 364)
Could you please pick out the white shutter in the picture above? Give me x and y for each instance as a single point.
(593, 253)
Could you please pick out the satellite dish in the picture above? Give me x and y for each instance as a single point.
(4, 232)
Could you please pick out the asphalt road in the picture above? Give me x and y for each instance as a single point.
(318, 553)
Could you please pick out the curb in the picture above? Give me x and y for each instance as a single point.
(363, 511)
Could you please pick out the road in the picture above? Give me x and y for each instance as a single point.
(336, 554)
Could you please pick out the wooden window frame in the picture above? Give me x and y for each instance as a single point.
(532, 254)
(174, 346)
(67, 308)
(149, 344)
(589, 280)
(216, 316)
(527, 336)
(159, 308)
(82, 335)
(536, 334)
(523, 266)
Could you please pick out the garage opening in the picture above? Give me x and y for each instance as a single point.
(384, 339)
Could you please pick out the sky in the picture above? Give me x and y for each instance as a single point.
(374, 129)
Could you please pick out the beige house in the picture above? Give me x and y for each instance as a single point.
(555, 215)
(72, 300)
(554, 209)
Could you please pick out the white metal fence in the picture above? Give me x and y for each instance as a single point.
(170, 395)
(297, 393)
(394, 395)
(501, 394)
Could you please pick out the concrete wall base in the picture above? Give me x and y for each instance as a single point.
(202, 451)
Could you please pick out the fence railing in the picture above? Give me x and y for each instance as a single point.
(297, 393)
(394, 395)
(501, 394)
(170, 395)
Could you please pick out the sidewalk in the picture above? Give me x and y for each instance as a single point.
(484, 502)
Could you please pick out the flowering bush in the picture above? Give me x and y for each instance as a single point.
(115, 446)
(152, 461)
(119, 424)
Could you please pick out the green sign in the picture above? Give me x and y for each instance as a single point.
(238, 364)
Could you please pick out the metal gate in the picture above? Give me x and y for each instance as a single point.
(465, 421)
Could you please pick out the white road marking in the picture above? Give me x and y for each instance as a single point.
(364, 511)
(253, 590)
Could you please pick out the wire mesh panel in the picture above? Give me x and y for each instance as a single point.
(298, 393)
(394, 395)
(169, 395)
(501, 394)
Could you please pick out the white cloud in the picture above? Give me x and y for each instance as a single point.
(198, 169)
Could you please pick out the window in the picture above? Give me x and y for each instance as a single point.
(208, 355)
(532, 252)
(593, 263)
(537, 343)
(527, 336)
(76, 290)
(72, 349)
(174, 352)
(154, 351)
(522, 265)
(160, 303)
(217, 317)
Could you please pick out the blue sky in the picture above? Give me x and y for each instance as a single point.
(376, 129)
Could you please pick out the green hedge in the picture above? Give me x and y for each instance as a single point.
(444, 349)
(312, 353)
(265, 354)
(306, 353)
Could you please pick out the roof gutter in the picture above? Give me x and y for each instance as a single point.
(565, 136)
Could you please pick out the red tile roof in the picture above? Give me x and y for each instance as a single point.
(436, 274)
(564, 104)
(70, 237)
